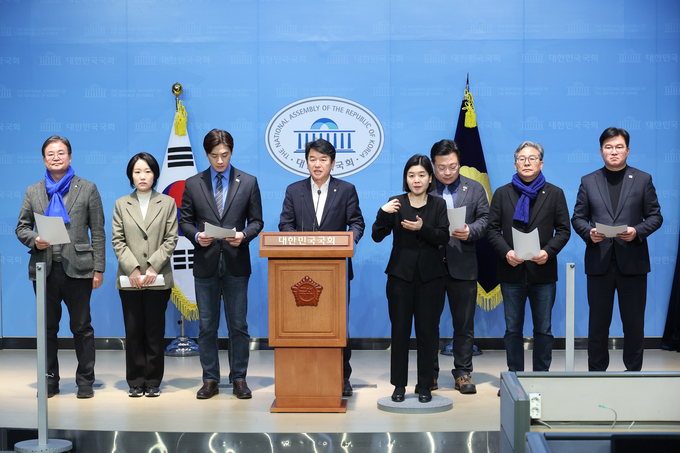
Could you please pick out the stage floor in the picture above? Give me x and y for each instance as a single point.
(178, 410)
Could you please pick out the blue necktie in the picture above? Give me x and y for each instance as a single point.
(218, 195)
(448, 197)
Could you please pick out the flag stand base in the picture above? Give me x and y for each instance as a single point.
(182, 347)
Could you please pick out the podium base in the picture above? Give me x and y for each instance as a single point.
(182, 347)
(52, 445)
(341, 409)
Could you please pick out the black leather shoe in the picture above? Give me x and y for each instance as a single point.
(52, 389)
(85, 391)
(435, 386)
(347, 389)
(425, 396)
(208, 390)
(242, 391)
(398, 394)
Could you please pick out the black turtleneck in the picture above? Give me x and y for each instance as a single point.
(615, 181)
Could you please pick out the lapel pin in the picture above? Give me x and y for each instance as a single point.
(237, 180)
(335, 190)
(630, 176)
(464, 188)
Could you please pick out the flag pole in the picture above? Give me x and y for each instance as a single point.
(182, 346)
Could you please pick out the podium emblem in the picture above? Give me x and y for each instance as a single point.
(307, 292)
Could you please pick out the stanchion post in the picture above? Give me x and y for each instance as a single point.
(43, 444)
(569, 328)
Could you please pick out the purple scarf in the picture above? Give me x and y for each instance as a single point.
(56, 192)
(528, 193)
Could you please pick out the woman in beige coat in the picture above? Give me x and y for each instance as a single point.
(144, 237)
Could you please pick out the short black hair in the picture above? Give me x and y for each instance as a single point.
(444, 148)
(414, 161)
(217, 137)
(320, 146)
(150, 161)
(56, 138)
(612, 132)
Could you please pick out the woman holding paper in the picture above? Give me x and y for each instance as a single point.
(415, 273)
(144, 237)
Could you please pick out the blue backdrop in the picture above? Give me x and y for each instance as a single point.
(100, 71)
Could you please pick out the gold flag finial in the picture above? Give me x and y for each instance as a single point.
(181, 113)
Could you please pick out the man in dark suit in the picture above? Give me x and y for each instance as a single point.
(228, 198)
(460, 255)
(324, 203)
(73, 269)
(526, 204)
(616, 195)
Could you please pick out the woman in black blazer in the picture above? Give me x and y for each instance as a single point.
(415, 273)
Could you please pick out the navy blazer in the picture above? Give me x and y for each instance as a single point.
(341, 211)
(461, 256)
(638, 207)
(242, 210)
(411, 249)
(548, 213)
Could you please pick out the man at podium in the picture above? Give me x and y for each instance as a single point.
(324, 203)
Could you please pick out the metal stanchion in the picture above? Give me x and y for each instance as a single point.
(569, 333)
(42, 444)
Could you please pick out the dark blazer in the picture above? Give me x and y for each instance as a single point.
(142, 241)
(341, 212)
(638, 207)
(82, 256)
(461, 256)
(548, 213)
(242, 210)
(414, 248)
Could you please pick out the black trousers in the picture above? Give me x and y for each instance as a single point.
(632, 292)
(75, 293)
(462, 296)
(144, 316)
(419, 301)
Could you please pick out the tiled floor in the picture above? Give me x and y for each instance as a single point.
(178, 410)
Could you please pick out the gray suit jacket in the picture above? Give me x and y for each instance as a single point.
(140, 242)
(461, 256)
(82, 256)
(638, 207)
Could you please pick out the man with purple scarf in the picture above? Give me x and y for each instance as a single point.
(73, 269)
(526, 204)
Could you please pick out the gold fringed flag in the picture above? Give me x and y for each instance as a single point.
(473, 166)
(179, 165)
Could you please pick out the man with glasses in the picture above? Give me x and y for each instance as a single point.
(616, 195)
(526, 204)
(73, 269)
(460, 256)
(228, 198)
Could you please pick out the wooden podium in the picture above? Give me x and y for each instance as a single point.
(308, 317)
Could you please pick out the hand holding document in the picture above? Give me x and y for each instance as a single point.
(125, 281)
(456, 218)
(610, 231)
(527, 245)
(219, 233)
(51, 229)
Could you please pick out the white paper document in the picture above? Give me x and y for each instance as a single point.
(527, 245)
(610, 231)
(51, 229)
(219, 233)
(125, 281)
(456, 218)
